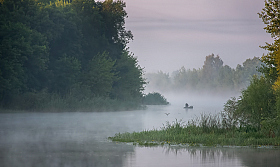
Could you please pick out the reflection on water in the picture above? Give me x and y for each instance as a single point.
(80, 139)
(62, 154)
(170, 156)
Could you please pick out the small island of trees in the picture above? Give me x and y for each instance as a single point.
(154, 98)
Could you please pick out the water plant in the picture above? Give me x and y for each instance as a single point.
(208, 130)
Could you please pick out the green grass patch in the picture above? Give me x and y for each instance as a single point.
(191, 134)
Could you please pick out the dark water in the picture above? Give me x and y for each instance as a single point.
(80, 139)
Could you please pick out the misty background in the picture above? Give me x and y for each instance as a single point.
(172, 34)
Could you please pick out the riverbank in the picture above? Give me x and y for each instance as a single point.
(192, 135)
(55, 103)
(47, 102)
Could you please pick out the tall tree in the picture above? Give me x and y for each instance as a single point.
(130, 83)
(257, 102)
(100, 75)
(24, 51)
(211, 68)
(270, 16)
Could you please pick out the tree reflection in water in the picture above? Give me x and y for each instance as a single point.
(203, 156)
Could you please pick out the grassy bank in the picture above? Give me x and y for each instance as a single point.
(193, 134)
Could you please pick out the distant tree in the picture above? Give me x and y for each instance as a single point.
(194, 78)
(160, 81)
(210, 71)
(180, 79)
(221, 77)
(243, 73)
(226, 78)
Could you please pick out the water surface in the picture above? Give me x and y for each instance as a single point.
(80, 139)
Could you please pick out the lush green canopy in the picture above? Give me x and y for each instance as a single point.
(63, 47)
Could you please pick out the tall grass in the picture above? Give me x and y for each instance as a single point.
(207, 130)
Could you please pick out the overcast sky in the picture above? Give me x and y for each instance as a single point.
(169, 34)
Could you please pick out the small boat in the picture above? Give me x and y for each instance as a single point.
(188, 107)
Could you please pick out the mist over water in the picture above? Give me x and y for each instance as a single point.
(80, 138)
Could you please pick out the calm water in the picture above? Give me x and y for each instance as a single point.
(80, 139)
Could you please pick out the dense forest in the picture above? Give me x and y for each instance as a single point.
(214, 76)
(67, 54)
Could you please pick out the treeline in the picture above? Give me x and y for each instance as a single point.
(213, 76)
(66, 51)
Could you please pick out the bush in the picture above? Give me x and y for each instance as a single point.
(154, 99)
(257, 103)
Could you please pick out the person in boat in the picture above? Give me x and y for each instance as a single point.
(186, 105)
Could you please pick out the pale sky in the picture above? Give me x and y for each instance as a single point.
(169, 34)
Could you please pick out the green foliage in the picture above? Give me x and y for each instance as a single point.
(194, 134)
(75, 101)
(67, 70)
(154, 98)
(22, 51)
(65, 46)
(229, 116)
(270, 17)
(129, 84)
(257, 102)
(99, 76)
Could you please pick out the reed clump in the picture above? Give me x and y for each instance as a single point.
(208, 130)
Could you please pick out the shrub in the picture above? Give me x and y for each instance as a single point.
(155, 99)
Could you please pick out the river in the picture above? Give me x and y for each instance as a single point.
(80, 139)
